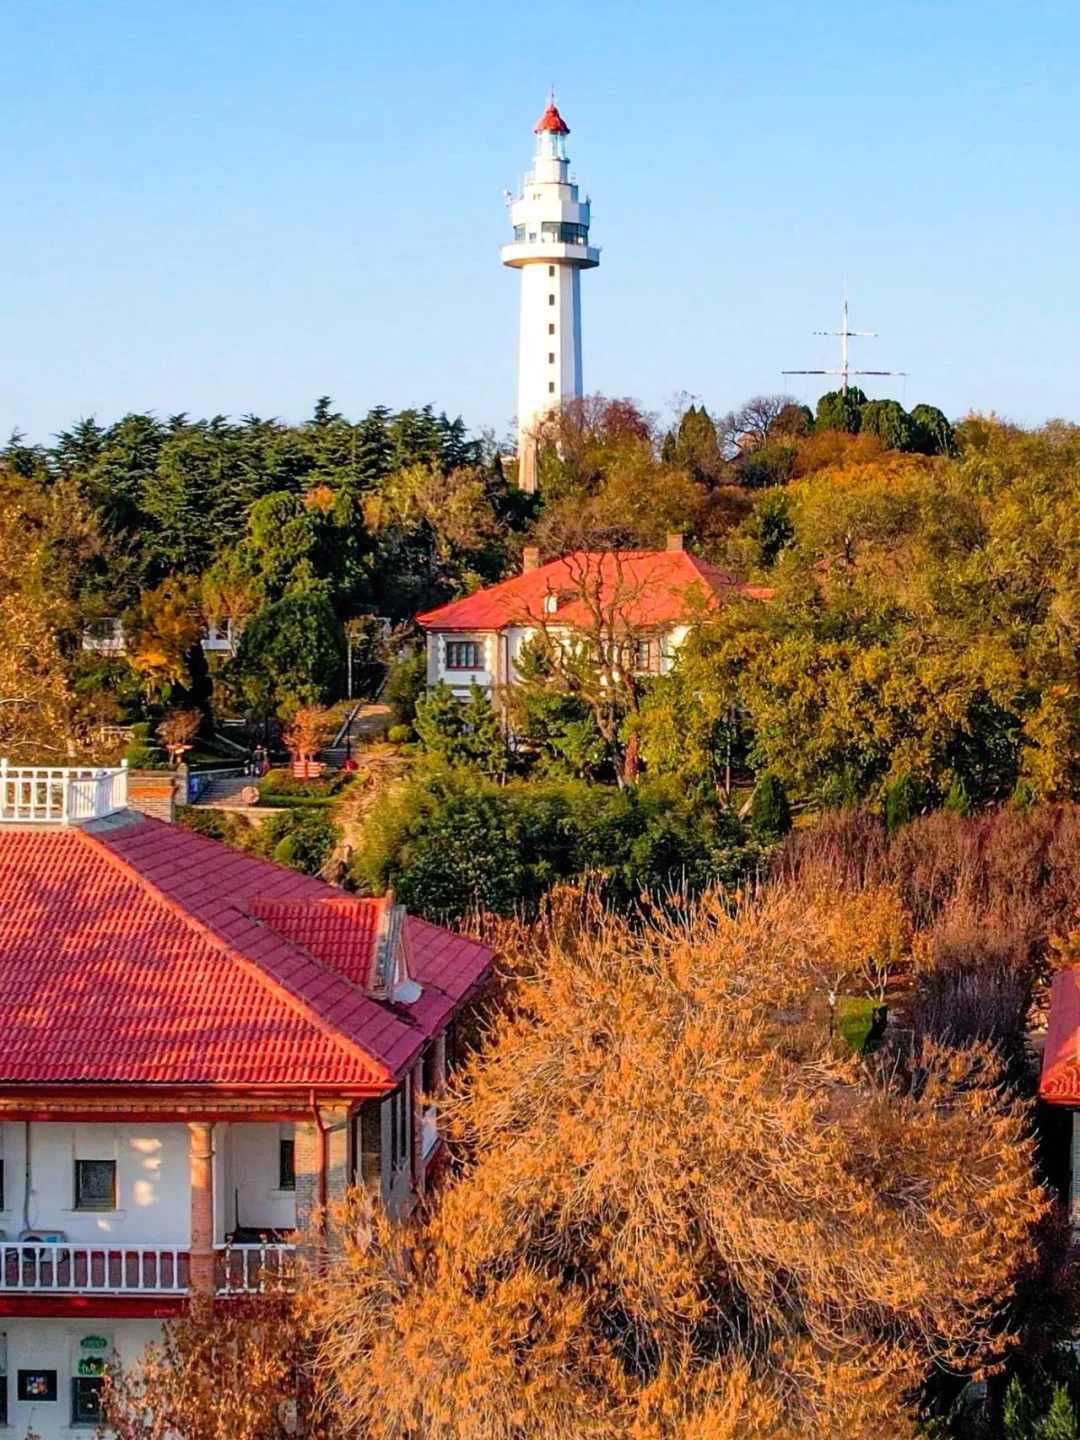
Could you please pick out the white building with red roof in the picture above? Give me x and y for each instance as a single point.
(644, 600)
(550, 248)
(199, 1050)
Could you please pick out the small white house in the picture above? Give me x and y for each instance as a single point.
(650, 597)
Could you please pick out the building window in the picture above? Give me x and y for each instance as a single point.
(551, 328)
(86, 1399)
(551, 357)
(2, 1205)
(643, 656)
(551, 299)
(551, 270)
(95, 1184)
(463, 655)
(286, 1164)
(551, 387)
(519, 234)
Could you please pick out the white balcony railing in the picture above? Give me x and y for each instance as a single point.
(37, 795)
(65, 1268)
(244, 1269)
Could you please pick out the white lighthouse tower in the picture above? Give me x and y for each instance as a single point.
(550, 248)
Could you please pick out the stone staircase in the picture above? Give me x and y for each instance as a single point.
(223, 792)
(367, 721)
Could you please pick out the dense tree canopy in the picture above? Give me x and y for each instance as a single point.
(684, 1212)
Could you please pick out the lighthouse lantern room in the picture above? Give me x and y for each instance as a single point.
(551, 248)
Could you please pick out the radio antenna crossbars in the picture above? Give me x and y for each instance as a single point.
(844, 334)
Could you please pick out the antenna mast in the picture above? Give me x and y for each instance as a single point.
(845, 371)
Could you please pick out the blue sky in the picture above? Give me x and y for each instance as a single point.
(229, 206)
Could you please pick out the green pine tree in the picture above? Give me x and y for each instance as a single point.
(1059, 1422)
(903, 802)
(770, 814)
(837, 411)
(1016, 1414)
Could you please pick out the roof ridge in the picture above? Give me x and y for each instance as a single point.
(269, 982)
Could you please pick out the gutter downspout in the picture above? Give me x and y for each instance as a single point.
(26, 1176)
(323, 1162)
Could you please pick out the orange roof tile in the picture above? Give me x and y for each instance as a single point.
(1060, 1080)
(645, 588)
(137, 953)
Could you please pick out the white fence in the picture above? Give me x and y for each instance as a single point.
(62, 1267)
(241, 1269)
(36, 794)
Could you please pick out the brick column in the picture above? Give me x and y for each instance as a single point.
(308, 1163)
(201, 1168)
(335, 1122)
(1074, 1176)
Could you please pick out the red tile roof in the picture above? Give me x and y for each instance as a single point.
(1060, 1079)
(646, 587)
(141, 954)
(551, 120)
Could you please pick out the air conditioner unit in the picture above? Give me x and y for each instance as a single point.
(44, 1237)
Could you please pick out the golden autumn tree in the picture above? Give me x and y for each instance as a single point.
(683, 1213)
(227, 1369)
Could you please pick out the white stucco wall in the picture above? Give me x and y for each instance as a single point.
(152, 1180)
(459, 680)
(250, 1172)
(39, 1344)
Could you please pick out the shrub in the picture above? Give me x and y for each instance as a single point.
(770, 814)
(399, 734)
(143, 752)
(302, 838)
(405, 684)
(452, 842)
(902, 802)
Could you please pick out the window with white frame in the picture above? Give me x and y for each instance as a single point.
(95, 1167)
(464, 655)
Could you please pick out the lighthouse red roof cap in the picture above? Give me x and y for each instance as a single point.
(551, 120)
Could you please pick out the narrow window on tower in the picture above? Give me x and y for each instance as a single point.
(551, 357)
(551, 387)
(551, 270)
(551, 299)
(551, 329)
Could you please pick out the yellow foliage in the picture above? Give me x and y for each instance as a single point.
(682, 1212)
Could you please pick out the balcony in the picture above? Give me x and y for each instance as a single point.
(254, 1269)
(40, 795)
(63, 1268)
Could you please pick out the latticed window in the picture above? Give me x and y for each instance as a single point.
(463, 655)
(95, 1184)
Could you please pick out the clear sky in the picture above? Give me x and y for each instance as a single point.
(229, 206)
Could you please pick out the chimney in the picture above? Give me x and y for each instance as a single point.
(674, 542)
(530, 559)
